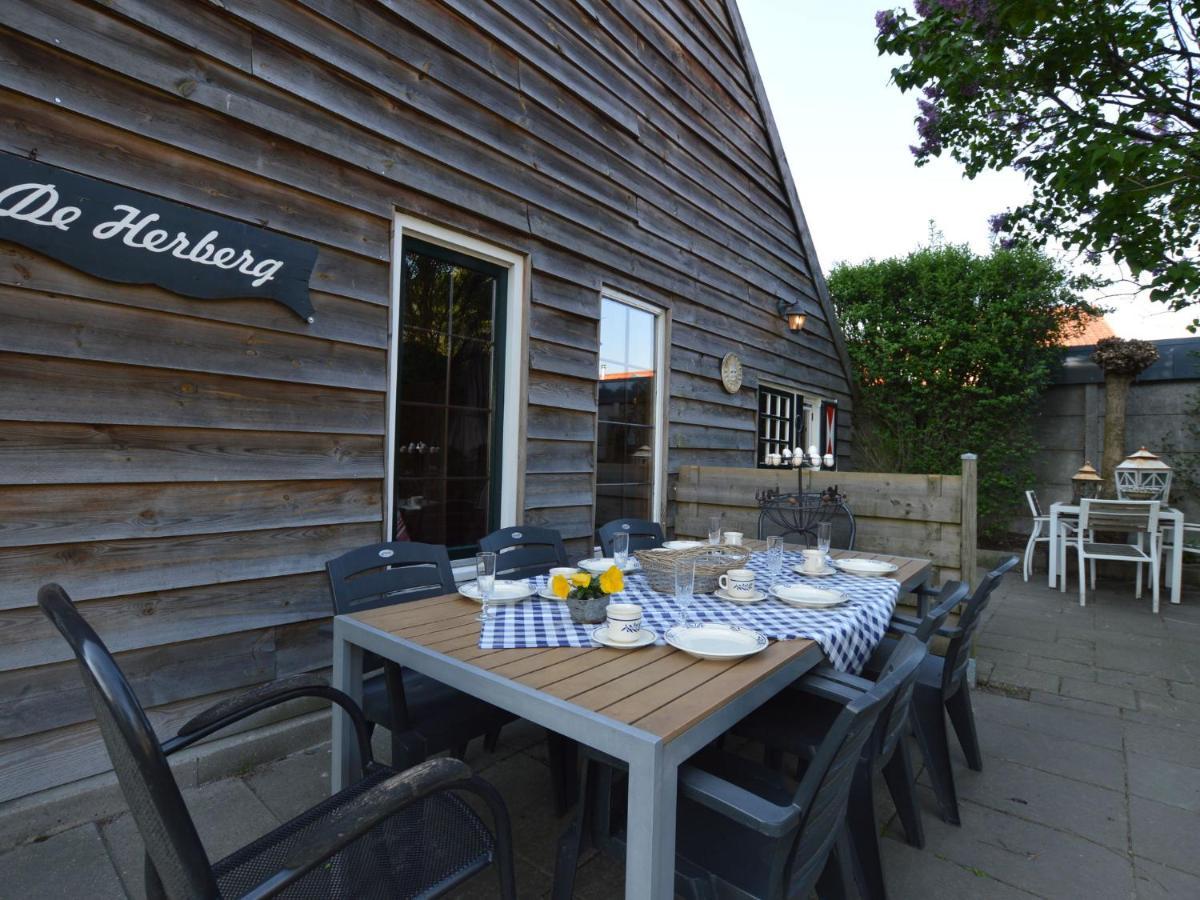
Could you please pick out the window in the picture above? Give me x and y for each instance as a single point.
(788, 419)
(629, 427)
(453, 423)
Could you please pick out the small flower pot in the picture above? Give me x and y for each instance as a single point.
(588, 610)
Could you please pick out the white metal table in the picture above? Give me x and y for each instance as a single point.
(1174, 571)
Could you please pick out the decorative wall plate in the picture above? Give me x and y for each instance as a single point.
(731, 372)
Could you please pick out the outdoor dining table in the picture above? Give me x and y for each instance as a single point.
(652, 707)
(1174, 571)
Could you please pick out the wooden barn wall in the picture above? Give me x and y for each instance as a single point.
(185, 467)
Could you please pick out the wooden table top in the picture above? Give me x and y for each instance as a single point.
(657, 689)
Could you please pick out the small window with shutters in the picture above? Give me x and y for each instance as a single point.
(789, 419)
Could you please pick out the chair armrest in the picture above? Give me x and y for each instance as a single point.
(827, 688)
(829, 673)
(736, 803)
(233, 709)
(360, 815)
(901, 622)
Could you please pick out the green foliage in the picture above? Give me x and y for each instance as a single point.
(1095, 101)
(951, 351)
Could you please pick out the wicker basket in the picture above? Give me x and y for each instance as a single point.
(711, 563)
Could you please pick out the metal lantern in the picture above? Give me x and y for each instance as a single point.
(1085, 484)
(1143, 476)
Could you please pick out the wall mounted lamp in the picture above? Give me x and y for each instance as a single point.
(793, 314)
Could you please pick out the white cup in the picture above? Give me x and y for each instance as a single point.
(814, 560)
(734, 538)
(624, 622)
(737, 583)
(565, 571)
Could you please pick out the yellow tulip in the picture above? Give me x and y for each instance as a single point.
(581, 579)
(611, 582)
(559, 586)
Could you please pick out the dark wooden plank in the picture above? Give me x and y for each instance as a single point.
(109, 568)
(57, 513)
(56, 453)
(559, 457)
(544, 490)
(31, 391)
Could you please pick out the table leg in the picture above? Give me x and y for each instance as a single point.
(1177, 560)
(1052, 550)
(650, 851)
(347, 678)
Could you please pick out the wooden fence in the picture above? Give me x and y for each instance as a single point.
(927, 516)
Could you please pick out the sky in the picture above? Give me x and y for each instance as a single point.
(846, 132)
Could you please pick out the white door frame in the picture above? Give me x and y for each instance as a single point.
(514, 356)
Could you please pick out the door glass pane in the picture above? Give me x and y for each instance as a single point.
(626, 435)
(448, 401)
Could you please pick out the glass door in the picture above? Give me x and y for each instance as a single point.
(449, 397)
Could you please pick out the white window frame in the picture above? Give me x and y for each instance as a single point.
(800, 398)
(514, 361)
(658, 488)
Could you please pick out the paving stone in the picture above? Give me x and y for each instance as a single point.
(1161, 661)
(1058, 701)
(1150, 683)
(600, 878)
(1034, 628)
(1098, 693)
(1183, 691)
(292, 785)
(1045, 649)
(1067, 804)
(1170, 744)
(524, 783)
(1004, 674)
(1161, 720)
(1154, 881)
(1103, 731)
(924, 873)
(1164, 834)
(1074, 759)
(227, 814)
(532, 881)
(72, 863)
(1084, 671)
(1164, 782)
(1168, 706)
(1031, 857)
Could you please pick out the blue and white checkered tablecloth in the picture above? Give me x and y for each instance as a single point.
(847, 633)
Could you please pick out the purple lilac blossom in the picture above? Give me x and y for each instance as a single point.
(1000, 222)
(885, 22)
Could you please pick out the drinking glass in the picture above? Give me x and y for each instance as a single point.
(621, 549)
(485, 577)
(714, 529)
(685, 582)
(824, 536)
(774, 557)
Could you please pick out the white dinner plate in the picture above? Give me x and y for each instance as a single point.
(756, 597)
(602, 565)
(714, 640)
(865, 567)
(547, 594)
(828, 570)
(804, 596)
(503, 592)
(644, 638)
(682, 545)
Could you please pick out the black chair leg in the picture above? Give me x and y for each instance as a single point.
(864, 835)
(837, 876)
(898, 772)
(930, 720)
(570, 844)
(962, 717)
(563, 756)
(491, 739)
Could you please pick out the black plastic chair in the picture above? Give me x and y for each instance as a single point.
(795, 722)
(741, 829)
(525, 551)
(399, 834)
(942, 689)
(643, 535)
(424, 716)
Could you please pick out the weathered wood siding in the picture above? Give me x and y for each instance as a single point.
(184, 468)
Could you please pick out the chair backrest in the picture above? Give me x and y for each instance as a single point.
(385, 574)
(893, 720)
(824, 790)
(1118, 515)
(958, 653)
(170, 837)
(951, 594)
(795, 517)
(643, 535)
(525, 551)
(1035, 507)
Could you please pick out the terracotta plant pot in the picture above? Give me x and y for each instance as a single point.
(588, 610)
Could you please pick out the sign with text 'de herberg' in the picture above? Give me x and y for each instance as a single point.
(125, 235)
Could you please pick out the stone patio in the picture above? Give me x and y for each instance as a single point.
(1090, 723)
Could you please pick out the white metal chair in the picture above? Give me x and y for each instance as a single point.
(1138, 517)
(1041, 522)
